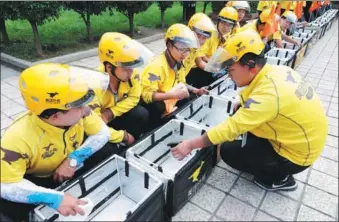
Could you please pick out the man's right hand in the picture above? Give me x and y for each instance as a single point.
(128, 138)
(71, 206)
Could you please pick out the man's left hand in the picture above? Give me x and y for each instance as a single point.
(64, 171)
(182, 150)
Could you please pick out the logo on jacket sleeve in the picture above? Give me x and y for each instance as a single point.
(248, 103)
(152, 77)
(12, 156)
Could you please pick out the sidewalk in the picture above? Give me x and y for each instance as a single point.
(229, 194)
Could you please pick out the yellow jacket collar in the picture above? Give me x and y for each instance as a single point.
(256, 80)
(46, 126)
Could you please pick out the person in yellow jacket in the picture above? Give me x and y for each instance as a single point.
(280, 112)
(163, 85)
(203, 28)
(122, 58)
(45, 146)
(227, 24)
(263, 5)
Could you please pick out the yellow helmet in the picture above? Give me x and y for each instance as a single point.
(122, 51)
(235, 47)
(57, 86)
(228, 14)
(265, 15)
(201, 24)
(240, 5)
(183, 35)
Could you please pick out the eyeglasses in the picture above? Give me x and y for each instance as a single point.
(182, 51)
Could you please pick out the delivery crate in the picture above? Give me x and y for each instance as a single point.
(183, 178)
(287, 45)
(208, 110)
(119, 191)
(278, 56)
(225, 88)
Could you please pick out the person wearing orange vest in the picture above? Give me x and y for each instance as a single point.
(279, 111)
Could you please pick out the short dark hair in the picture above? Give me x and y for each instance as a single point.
(113, 67)
(259, 60)
(50, 112)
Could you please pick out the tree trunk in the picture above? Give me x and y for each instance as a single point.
(88, 27)
(162, 19)
(131, 24)
(4, 33)
(205, 6)
(188, 10)
(37, 41)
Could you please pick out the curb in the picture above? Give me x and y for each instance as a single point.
(23, 64)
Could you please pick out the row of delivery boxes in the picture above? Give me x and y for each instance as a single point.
(291, 55)
(150, 184)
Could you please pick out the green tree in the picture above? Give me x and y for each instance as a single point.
(37, 13)
(86, 9)
(129, 9)
(7, 12)
(205, 6)
(163, 5)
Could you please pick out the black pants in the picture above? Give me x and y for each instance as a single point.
(258, 158)
(199, 78)
(134, 121)
(20, 211)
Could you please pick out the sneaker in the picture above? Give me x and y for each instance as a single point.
(287, 184)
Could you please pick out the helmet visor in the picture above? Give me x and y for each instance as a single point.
(84, 84)
(186, 39)
(134, 55)
(204, 26)
(220, 60)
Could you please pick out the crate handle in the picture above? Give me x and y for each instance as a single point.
(126, 168)
(210, 102)
(146, 180)
(181, 128)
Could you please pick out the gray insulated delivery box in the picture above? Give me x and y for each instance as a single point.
(119, 190)
(225, 88)
(183, 178)
(208, 110)
(279, 56)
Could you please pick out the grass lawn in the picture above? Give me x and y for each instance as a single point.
(68, 33)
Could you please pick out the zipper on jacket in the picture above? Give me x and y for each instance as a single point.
(63, 137)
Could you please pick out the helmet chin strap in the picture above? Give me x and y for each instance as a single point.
(169, 52)
(114, 75)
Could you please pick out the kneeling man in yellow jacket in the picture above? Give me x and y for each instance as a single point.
(281, 113)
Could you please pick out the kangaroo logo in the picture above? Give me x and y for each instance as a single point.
(48, 151)
(53, 94)
(12, 156)
(137, 77)
(94, 106)
(195, 175)
(152, 77)
(73, 137)
(249, 102)
(290, 77)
